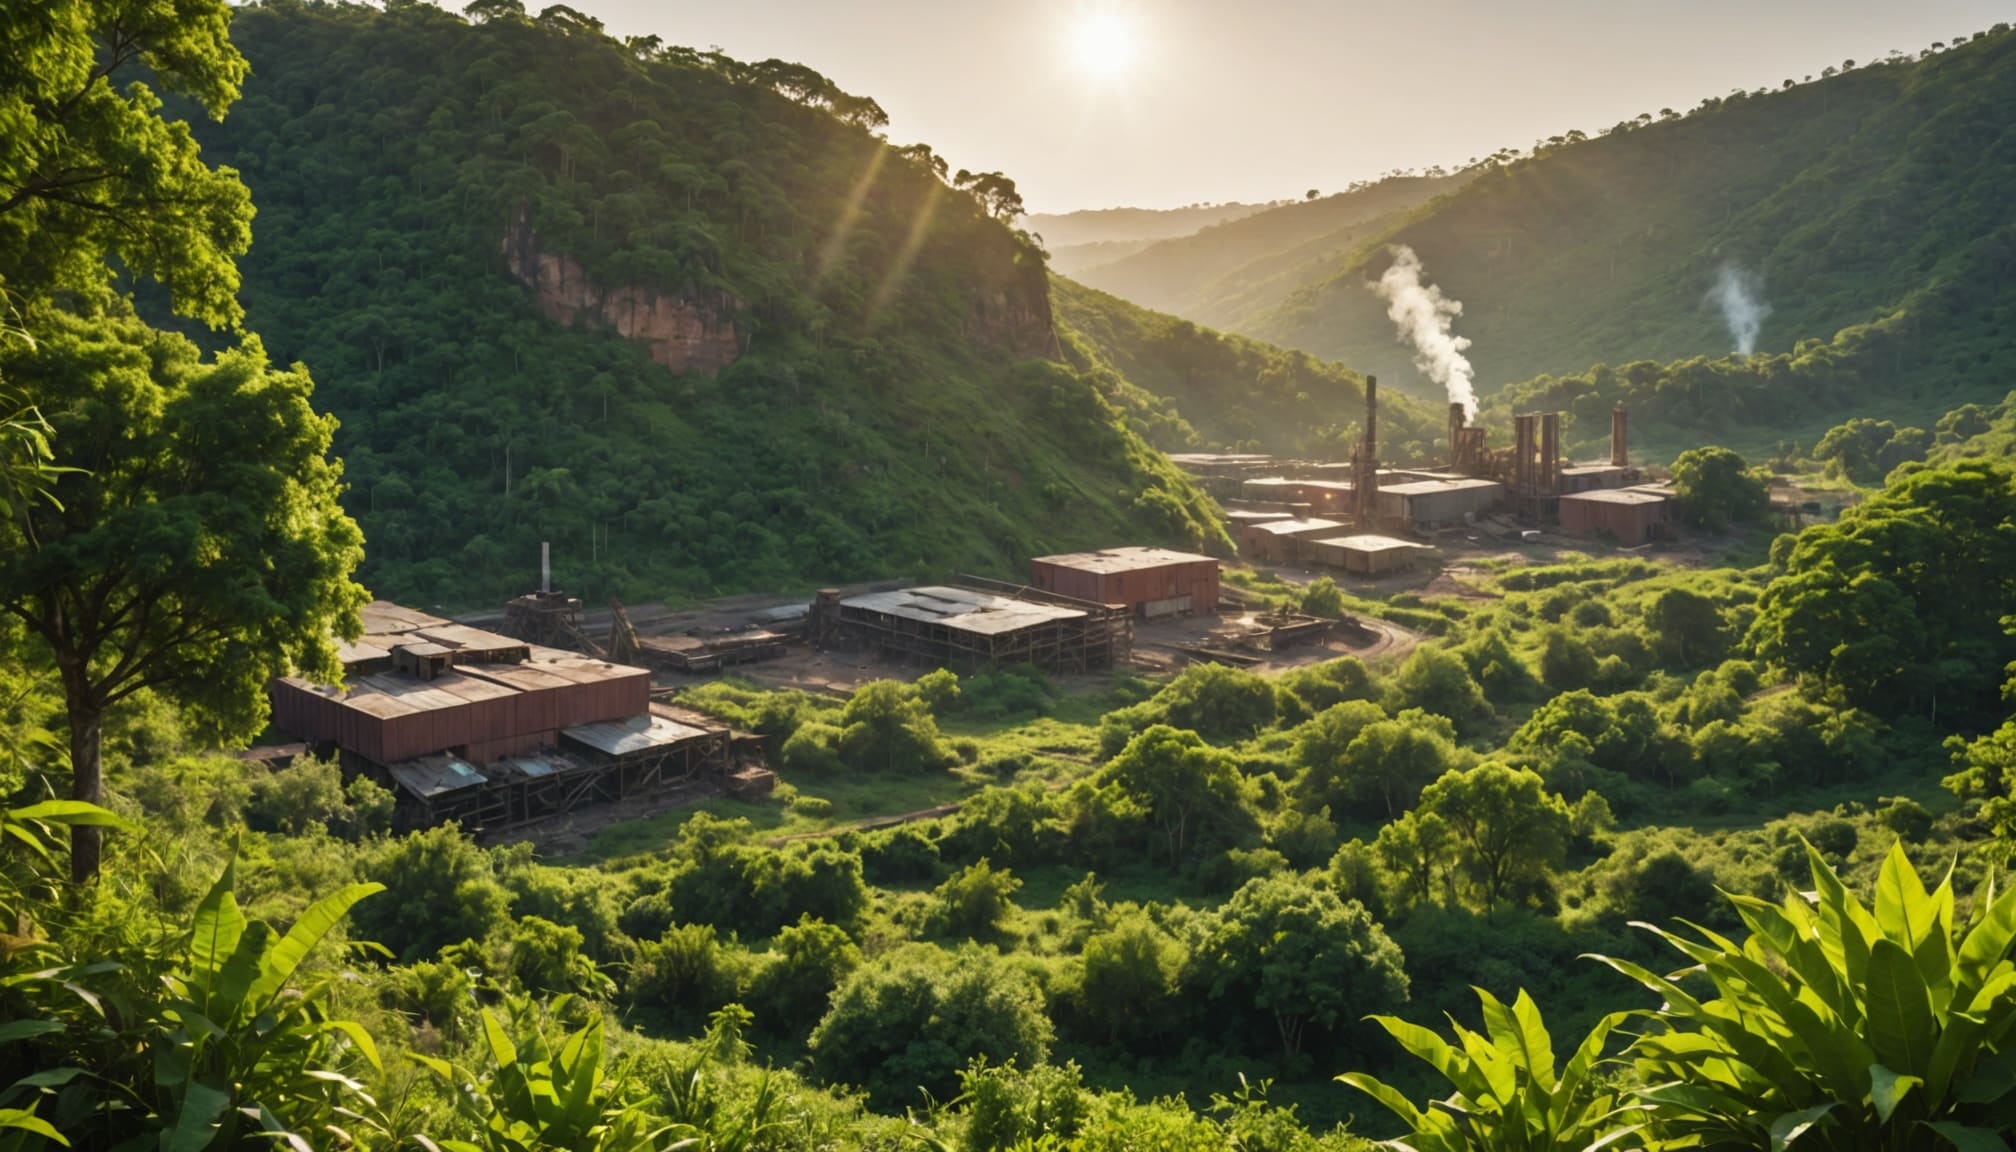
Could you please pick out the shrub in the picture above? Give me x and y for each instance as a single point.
(440, 889)
(916, 1017)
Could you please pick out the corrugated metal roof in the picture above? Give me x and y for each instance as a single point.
(1370, 544)
(637, 734)
(463, 636)
(383, 616)
(1618, 496)
(1430, 487)
(1132, 558)
(350, 652)
(432, 776)
(965, 609)
(1592, 469)
(1292, 527)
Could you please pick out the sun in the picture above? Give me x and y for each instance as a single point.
(1104, 44)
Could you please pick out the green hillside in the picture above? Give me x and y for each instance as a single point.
(840, 366)
(1108, 225)
(1188, 388)
(1876, 193)
(1231, 273)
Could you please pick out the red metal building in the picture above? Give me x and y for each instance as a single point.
(1150, 582)
(1631, 515)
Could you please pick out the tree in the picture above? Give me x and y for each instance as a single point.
(1687, 628)
(1129, 975)
(1383, 768)
(197, 549)
(1184, 784)
(441, 889)
(808, 960)
(1288, 947)
(1509, 828)
(1323, 598)
(887, 727)
(913, 1019)
(973, 901)
(1713, 488)
(1898, 606)
(1566, 661)
(1435, 679)
(91, 170)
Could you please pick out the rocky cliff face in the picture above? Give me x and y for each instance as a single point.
(1015, 318)
(685, 332)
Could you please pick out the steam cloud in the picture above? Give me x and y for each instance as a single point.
(1740, 295)
(1423, 317)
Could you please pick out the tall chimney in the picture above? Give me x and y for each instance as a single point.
(1550, 454)
(1365, 483)
(1456, 422)
(1619, 442)
(545, 567)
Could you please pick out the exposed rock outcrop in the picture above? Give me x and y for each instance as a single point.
(1015, 318)
(685, 332)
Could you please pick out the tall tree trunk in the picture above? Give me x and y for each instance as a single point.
(87, 784)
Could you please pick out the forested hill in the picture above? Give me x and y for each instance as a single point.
(839, 366)
(1852, 196)
(1186, 387)
(1237, 271)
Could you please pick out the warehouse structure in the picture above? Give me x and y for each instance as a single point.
(1275, 543)
(468, 725)
(1426, 505)
(1365, 555)
(1149, 582)
(978, 623)
(1631, 515)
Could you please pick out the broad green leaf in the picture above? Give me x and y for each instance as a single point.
(1887, 1089)
(218, 926)
(196, 1120)
(1994, 1079)
(1903, 908)
(1394, 1100)
(1585, 1057)
(502, 1050)
(301, 939)
(239, 971)
(1985, 946)
(22, 1029)
(26, 1121)
(359, 1037)
(1540, 1054)
(70, 812)
(1966, 1138)
(1900, 1010)
(1958, 1046)
(1792, 1125)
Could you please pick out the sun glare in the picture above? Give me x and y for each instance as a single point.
(1104, 44)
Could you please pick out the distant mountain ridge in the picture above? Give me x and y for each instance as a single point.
(1105, 225)
(1878, 189)
(1229, 272)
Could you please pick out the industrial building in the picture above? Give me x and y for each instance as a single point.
(1591, 477)
(1365, 555)
(468, 725)
(979, 623)
(1631, 515)
(1275, 543)
(1426, 505)
(1149, 582)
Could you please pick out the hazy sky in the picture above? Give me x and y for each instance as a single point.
(1156, 103)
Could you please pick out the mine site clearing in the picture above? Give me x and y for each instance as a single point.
(550, 719)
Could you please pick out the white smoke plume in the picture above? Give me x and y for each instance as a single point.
(1739, 293)
(1424, 318)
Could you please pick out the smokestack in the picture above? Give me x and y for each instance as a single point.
(1456, 422)
(1619, 442)
(1365, 483)
(545, 567)
(1371, 417)
(1550, 454)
